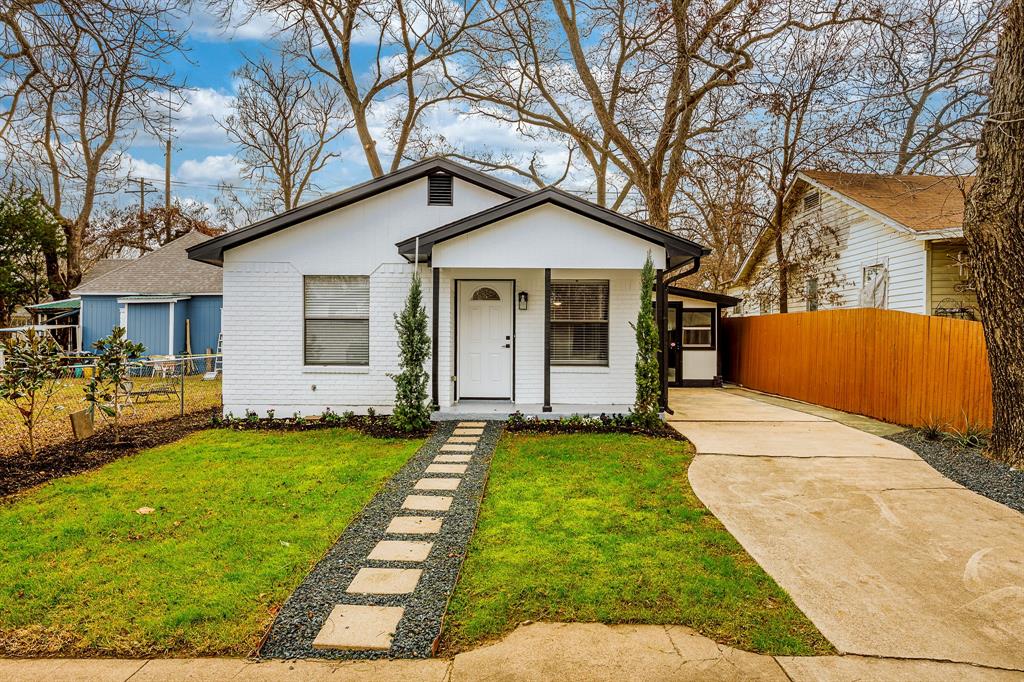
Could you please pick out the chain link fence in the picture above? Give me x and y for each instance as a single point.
(157, 388)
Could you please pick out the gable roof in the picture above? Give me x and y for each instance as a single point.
(102, 267)
(674, 244)
(212, 251)
(167, 270)
(923, 206)
(921, 203)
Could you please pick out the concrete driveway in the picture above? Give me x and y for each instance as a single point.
(884, 554)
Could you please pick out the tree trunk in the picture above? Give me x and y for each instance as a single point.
(994, 228)
(780, 260)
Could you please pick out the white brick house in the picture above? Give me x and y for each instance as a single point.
(530, 295)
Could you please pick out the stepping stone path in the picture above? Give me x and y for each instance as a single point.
(383, 588)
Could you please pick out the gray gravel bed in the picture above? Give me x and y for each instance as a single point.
(304, 613)
(969, 468)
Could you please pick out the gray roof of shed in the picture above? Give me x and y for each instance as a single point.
(167, 270)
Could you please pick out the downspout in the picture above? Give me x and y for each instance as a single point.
(664, 280)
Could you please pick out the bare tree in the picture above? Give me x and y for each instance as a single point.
(284, 122)
(994, 228)
(803, 94)
(408, 41)
(78, 111)
(929, 85)
(724, 204)
(634, 86)
(122, 232)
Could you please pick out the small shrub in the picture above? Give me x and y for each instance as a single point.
(647, 407)
(970, 436)
(370, 412)
(28, 378)
(330, 418)
(108, 389)
(934, 430)
(298, 419)
(270, 415)
(348, 416)
(412, 409)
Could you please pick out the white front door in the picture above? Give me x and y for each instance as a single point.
(485, 339)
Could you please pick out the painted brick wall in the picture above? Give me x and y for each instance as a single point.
(263, 339)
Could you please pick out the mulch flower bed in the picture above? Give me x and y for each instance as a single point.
(375, 425)
(20, 471)
(968, 467)
(604, 423)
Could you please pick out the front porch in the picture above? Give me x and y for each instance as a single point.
(502, 409)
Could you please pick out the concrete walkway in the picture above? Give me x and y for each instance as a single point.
(885, 555)
(539, 652)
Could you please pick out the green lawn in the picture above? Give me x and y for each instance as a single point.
(606, 528)
(240, 518)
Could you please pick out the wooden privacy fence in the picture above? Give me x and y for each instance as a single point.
(899, 367)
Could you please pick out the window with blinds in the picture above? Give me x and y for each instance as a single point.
(439, 190)
(697, 332)
(579, 322)
(337, 319)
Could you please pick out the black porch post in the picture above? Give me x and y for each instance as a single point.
(435, 326)
(547, 340)
(661, 311)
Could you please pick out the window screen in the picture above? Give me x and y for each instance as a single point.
(439, 190)
(579, 322)
(337, 320)
(697, 329)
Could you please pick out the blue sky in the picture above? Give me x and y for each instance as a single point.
(203, 157)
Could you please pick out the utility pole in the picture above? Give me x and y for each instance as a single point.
(167, 175)
(167, 188)
(144, 188)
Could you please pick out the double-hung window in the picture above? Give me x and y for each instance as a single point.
(698, 329)
(337, 320)
(579, 322)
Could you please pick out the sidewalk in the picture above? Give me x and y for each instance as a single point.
(542, 651)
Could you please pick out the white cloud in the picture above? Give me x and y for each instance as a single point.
(139, 168)
(242, 24)
(212, 169)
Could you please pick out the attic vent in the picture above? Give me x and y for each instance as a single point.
(811, 200)
(439, 190)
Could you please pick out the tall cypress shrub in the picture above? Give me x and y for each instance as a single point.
(647, 408)
(412, 411)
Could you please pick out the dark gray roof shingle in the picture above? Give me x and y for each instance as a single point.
(167, 270)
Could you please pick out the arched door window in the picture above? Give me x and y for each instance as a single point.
(485, 294)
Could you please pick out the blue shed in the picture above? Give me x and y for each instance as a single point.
(165, 301)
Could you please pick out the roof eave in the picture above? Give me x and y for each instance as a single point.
(674, 246)
(212, 251)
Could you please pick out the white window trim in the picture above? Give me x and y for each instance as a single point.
(579, 368)
(710, 345)
(313, 368)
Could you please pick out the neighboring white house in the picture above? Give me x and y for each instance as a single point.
(894, 242)
(531, 296)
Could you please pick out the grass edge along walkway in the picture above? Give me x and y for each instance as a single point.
(605, 528)
(239, 519)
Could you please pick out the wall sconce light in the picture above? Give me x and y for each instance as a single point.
(524, 299)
